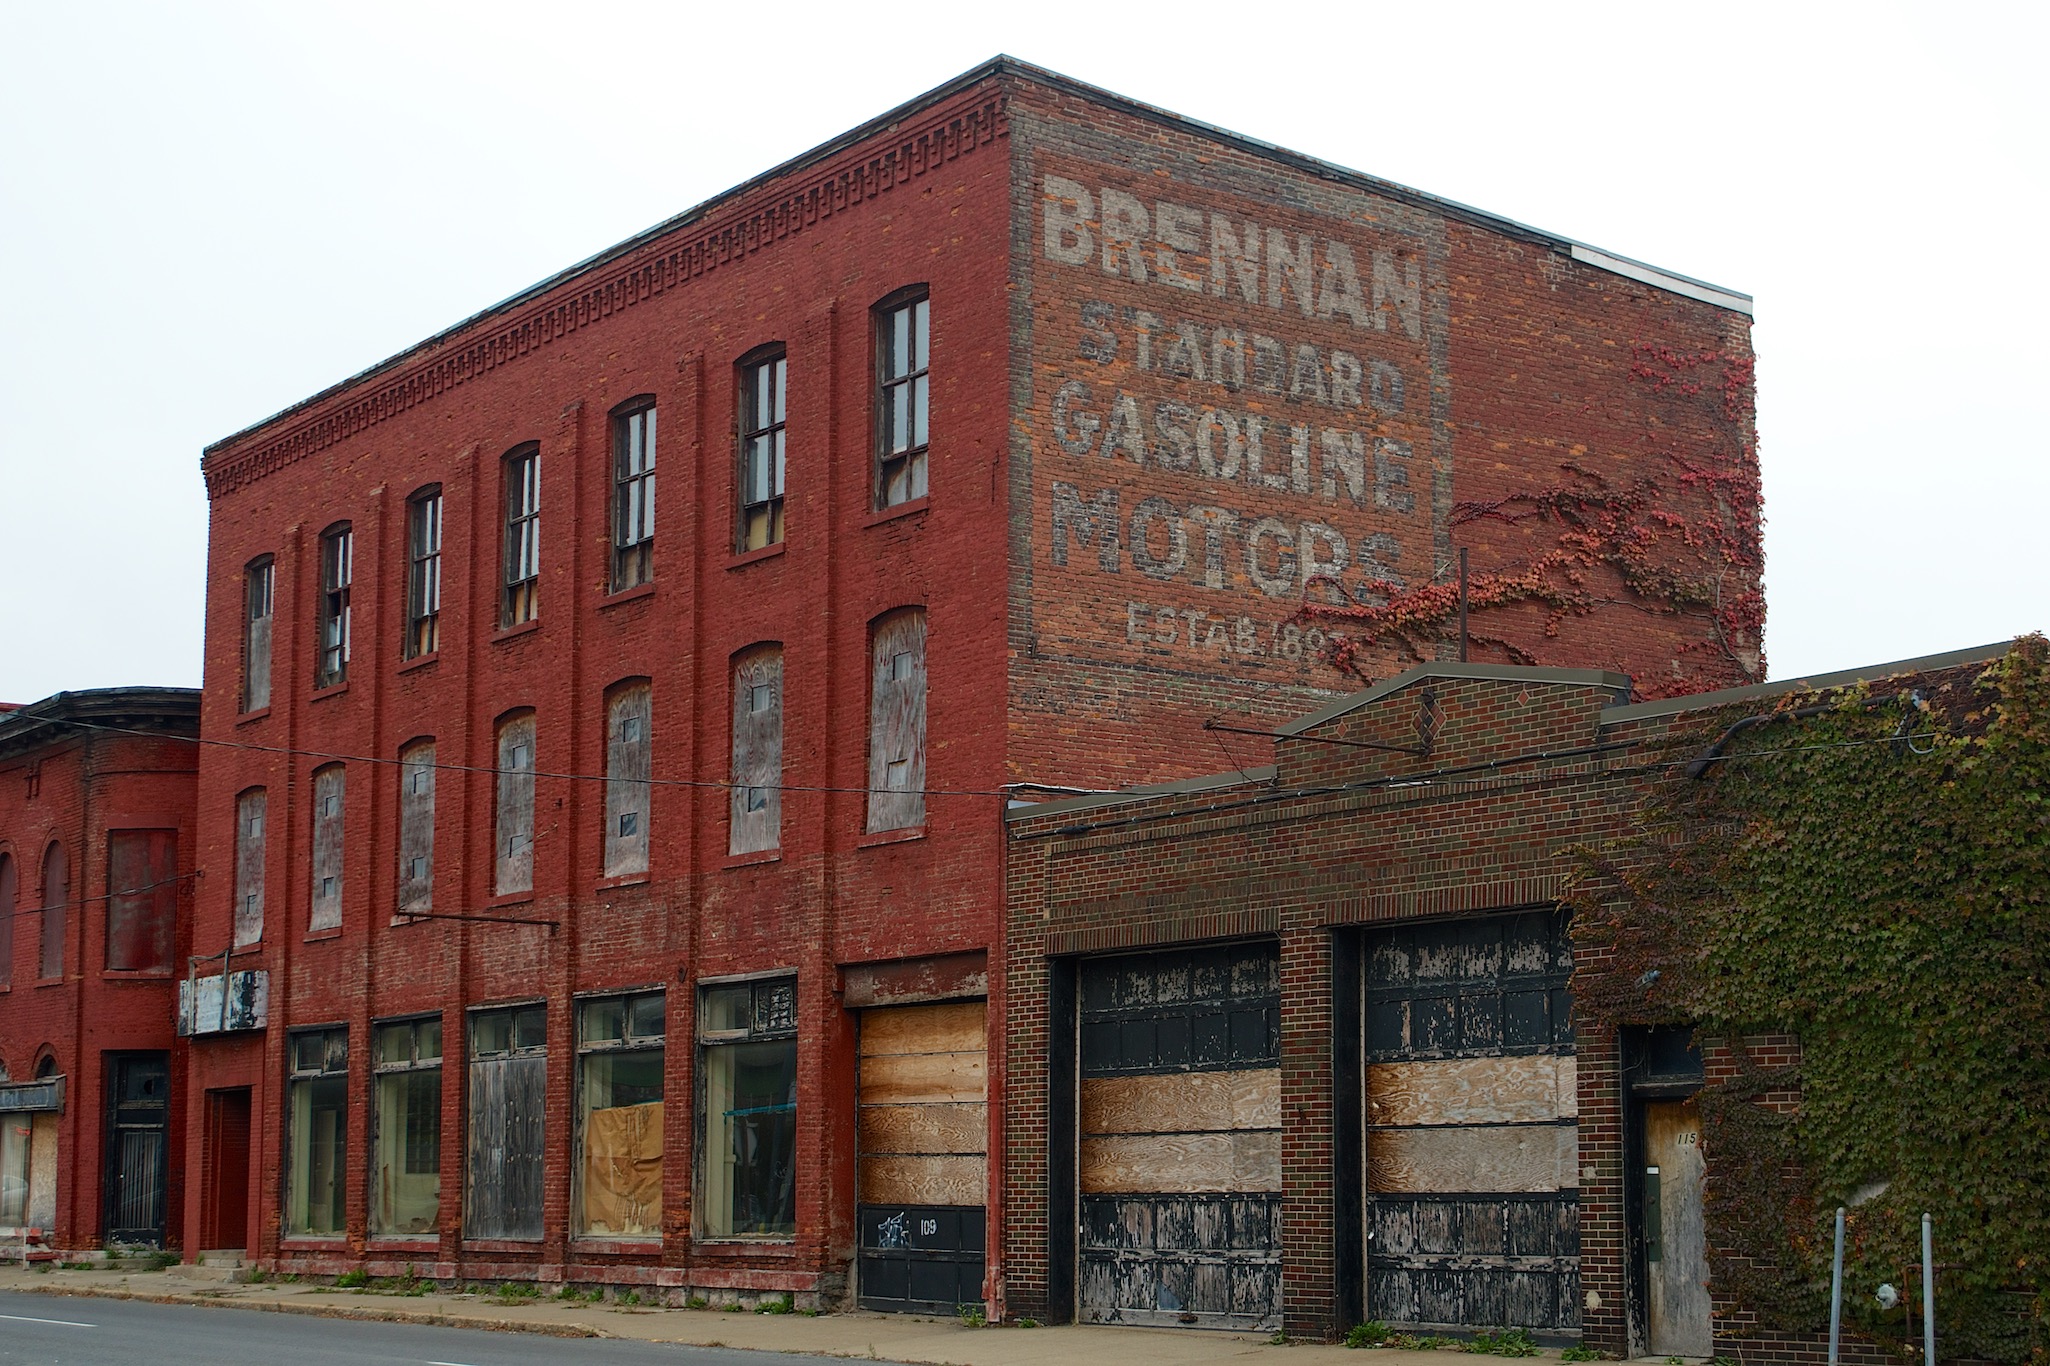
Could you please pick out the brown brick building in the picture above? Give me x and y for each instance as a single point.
(1294, 1046)
(609, 887)
(96, 887)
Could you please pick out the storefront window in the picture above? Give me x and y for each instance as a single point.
(747, 1034)
(405, 1174)
(318, 1098)
(14, 1147)
(619, 1116)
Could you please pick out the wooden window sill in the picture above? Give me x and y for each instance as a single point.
(251, 717)
(432, 657)
(510, 899)
(748, 557)
(529, 1246)
(615, 1247)
(525, 628)
(316, 936)
(606, 884)
(730, 1245)
(916, 832)
(331, 690)
(627, 595)
(752, 857)
(891, 514)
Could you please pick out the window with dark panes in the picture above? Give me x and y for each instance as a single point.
(896, 730)
(761, 451)
(513, 866)
(629, 715)
(10, 888)
(619, 1115)
(633, 494)
(329, 789)
(508, 1109)
(747, 1047)
(56, 901)
(405, 1117)
(756, 798)
(250, 808)
(423, 574)
(903, 330)
(416, 827)
(317, 1113)
(142, 899)
(521, 600)
(258, 586)
(337, 568)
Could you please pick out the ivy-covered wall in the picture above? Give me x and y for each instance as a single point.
(1868, 870)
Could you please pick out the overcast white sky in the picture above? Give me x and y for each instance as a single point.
(211, 210)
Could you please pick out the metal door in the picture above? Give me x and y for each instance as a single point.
(1472, 1207)
(922, 1128)
(1180, 1151)
(1675, 1238)
(138, 1124)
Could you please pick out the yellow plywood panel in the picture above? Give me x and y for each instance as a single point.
(1174, 1164)
(1183, 1102)
(924, 1181)
(922, 1078)
(960, 1128)
(956, 1027)
(1472, 1091)
(1497, 1160)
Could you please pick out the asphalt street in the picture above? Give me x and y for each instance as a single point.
(95, 1332)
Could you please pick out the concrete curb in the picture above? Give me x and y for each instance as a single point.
(364, 1313)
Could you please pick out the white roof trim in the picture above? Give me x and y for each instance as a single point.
(1652, 275)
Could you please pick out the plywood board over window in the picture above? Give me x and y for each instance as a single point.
(250, 810)
(896, 746)
(756, 802)
(142, 900)
(416, 827)
(629, 715)
(513, 828)
(329, 791)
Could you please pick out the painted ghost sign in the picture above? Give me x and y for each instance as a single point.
(1235, 405)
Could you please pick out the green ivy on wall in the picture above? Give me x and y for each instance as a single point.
(1875, 879)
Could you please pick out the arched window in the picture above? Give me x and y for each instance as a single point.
(756, 800)
(633, 492)
(250, 810)
(9, 886)
(896, 722)
(258, 593)
(629, 720)
(423, 573)
(330, 791)
(903, 327)
(331, 634)
(56, 900)
(762, 376)
(513, 824)
(520, 600)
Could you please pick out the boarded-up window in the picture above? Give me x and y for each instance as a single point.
(405, 1164)
(508, 1105)
(249, 822)
(757, 797)
(56, 900)
(10, 887)
(257, 584)
(328, 793)
(416, 827)
(142, 899)
(629, 714)
(896, 723)
(619, 1115)
(747, 1035)
(514, 826)
(317, 1097)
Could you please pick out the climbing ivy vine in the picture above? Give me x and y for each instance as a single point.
(1873, 878)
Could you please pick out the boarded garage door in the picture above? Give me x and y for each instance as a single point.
(1181, 1138)
(923, 1133)
(1473, 1213)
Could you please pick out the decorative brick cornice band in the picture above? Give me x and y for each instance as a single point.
(614, 286)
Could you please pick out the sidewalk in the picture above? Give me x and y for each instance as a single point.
(884, 1337)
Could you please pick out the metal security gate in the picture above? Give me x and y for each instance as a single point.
(138, 1125)
(1472, 1206)
(922, 1165)
(1180, 1151)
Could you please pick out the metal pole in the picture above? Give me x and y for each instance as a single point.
(1928, 1293)
(1836, 1288)
(1462, 604)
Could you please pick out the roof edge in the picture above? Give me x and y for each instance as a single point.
(1180, 787)
(1498, 673)
(40, 722)
(1841, 678)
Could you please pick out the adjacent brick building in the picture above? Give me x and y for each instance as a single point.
(96, 884)
(608, 888)
(1294, 1046)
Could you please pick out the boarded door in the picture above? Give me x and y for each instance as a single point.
(138, 1096)
(508, 1098)
(1675, 1239)
(1180, 1151)
(227, 1171)
(923, 1131)
(1473, 1217)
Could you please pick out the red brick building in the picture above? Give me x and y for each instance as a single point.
(96, 886)
(609, 887)
(1295, 1047)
